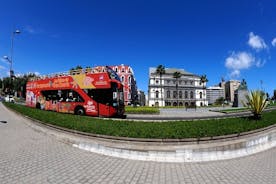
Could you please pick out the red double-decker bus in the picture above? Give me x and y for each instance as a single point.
(93, 93)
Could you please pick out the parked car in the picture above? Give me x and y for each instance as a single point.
(9, 98)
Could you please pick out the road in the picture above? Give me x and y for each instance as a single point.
(28, 156)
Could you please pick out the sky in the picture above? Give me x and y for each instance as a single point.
(230, 39)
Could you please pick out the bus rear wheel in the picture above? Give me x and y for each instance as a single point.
(79, 111)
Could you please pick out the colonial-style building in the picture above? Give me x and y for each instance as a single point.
(187, 90)
(126, 74)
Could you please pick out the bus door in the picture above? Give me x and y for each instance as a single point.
(104, 109)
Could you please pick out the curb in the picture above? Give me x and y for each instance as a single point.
(164, 150)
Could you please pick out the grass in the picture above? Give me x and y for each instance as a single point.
(141, 110)
(234, 110)
(169, 129)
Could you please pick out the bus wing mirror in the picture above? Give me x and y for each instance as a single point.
(114, 95)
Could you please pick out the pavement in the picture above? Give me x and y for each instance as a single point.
(29, 156)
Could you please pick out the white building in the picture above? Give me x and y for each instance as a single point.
(213, 93)
(188, 90)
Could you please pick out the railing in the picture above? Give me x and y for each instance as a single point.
(69, 73)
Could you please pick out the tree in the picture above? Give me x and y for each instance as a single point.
(274, 95)
(256, 102)
(176, 75)
(160, 70)
(204, 80)
(219, 101)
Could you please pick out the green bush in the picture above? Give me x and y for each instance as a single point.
(138, 129)
(141, 110)
(256, 102)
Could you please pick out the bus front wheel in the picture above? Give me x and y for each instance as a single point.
(79, 111)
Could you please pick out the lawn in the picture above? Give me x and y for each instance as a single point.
(136, 129)
(141, 110)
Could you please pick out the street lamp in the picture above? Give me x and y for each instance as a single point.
(10, 60)
(12, 38)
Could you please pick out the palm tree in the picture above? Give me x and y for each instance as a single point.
(176, 75)
(161, 70)
(204, 80)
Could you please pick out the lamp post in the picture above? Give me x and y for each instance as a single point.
(10, 60)
(12, 38)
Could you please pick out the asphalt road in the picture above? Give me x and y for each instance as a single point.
(28, 156)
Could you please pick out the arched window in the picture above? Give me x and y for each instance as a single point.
(168, 94)
(156, 94)
(180, 94)
(186, 94)
(123, 79)
(129, 79)
(116, 69)
(191, 94)
(200, 95)
(174, 94)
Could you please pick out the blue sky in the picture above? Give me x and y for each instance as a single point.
(230, 39)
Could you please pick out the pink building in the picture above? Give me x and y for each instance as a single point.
(126, 74)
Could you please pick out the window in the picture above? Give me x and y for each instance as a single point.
(191, 82)
(174, 94)
(186, 94)
(168, 81)
(123, 70)
(129, 70)
(116, 69)
(157, 81)
(191, 94)
(156, 94)
(123, 79)
(129, 79)
(168, 94)
(180, 94)
(200, 95)
(62, 95)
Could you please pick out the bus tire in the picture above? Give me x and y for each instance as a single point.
(38, 106)
(79, 111)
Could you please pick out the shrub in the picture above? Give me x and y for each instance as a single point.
(256, 102)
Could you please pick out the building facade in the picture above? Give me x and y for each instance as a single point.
(126, 75)
(213, 93)
(230, 87)
(188, 90)
(141, 98)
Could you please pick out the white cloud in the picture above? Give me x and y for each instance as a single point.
(256, 42)
(273, 42)
(36, 73)
(2, 67)
(29, 29)
(235, 73)
(240, 61)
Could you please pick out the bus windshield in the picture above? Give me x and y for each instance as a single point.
(112, 96)
(112, 74)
